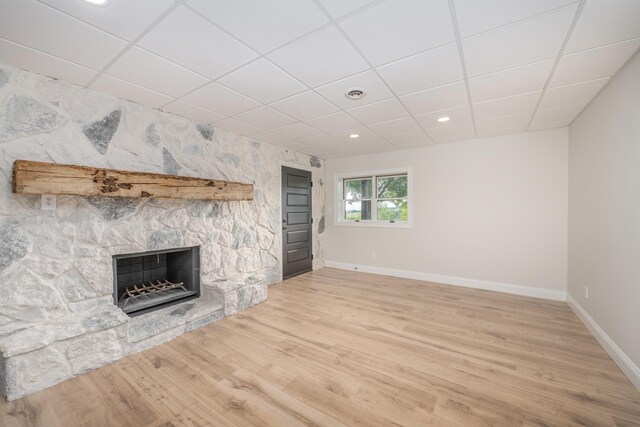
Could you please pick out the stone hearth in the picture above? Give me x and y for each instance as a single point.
(57, 315)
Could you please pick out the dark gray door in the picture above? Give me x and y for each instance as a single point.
(296, 222)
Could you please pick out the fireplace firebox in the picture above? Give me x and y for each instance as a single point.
(147, 281)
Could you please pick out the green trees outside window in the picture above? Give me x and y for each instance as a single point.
(389, 202)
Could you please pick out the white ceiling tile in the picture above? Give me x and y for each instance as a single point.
(323, 142)
(38, 62)
(125, 19)
(304, 106)
(394, 127)
(363, 132)
(452, 133)
(399, 28)
(436, 99)
(192, 112)
(456, 115)
(338, 8)
(264, 117)
(511, 105)
(477, 16)
(429, 69)
(556, 117)
(604, 22)
(333, 122)
(382, 111)
(186, 38)
(413, 139)
(320, 58)
(578, 93)
(129, 91)
(374, 87)
(262, 81)
(263, 25)
(503, 125)
(293, 145)
(43, 28)
(295, 131)
(270, 137)
(370, 142)
(382, 148)
(215, 97)
(518, 44)
(514, 81)
(348, 153)
(238, 127)
(593, 63)
(148, 70)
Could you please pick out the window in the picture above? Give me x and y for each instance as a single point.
(378, 199)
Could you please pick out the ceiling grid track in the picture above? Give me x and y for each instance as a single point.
(372, 68)
(456, 30)
(574, 22)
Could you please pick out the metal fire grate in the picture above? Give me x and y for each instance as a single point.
(138, 297)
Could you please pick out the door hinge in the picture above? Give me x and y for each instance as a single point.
(311, 220)
(312, 183)
(312, 257)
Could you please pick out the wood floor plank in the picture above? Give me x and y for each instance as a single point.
(339, 348)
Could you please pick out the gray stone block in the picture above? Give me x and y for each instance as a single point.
(14, 243)
(315, 162)
(102, 131)
(170, 164)
(151, 135)
(114, 208)
(24, 116)
(4, 78)
(165, 239)
(206, 131)
(205, 320)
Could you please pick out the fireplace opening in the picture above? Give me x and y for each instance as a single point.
(147, 281)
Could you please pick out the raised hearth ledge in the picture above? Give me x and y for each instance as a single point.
(110, 334)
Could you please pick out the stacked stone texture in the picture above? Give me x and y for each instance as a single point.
(57, 317)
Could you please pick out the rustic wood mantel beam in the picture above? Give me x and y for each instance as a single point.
(51, 178)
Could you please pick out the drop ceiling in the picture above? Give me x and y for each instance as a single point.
(278, 70)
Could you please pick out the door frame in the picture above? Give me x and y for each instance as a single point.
(313, 223)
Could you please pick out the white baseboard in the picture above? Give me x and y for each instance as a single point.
(623, 361)
(457, 281)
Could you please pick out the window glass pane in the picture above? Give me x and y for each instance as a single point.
(357, 211)
(358, 188)
(392, 210)
(392, 187)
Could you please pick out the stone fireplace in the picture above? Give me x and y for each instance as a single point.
(148, 281)
(58, 316)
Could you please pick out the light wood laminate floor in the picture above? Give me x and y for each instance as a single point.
(336, 348)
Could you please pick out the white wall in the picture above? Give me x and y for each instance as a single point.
(604, 211)
(492, 209)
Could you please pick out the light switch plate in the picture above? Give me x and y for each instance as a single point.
(48, 202)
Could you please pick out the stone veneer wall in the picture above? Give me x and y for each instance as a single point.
(57, 318)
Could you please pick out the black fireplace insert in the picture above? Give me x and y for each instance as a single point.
(147, 281)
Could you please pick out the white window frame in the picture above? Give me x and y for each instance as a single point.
(339, 198)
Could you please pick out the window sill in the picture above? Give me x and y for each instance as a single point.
(373, 224)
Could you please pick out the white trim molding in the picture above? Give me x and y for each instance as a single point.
(623, 361)
(456, 281)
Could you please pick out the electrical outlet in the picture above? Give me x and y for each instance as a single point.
(586, 292)
(373, 255)
(48, 202)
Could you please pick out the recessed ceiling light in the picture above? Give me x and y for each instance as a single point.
(354, 135)
(444, 119)
(355, 93)
(97, 2)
